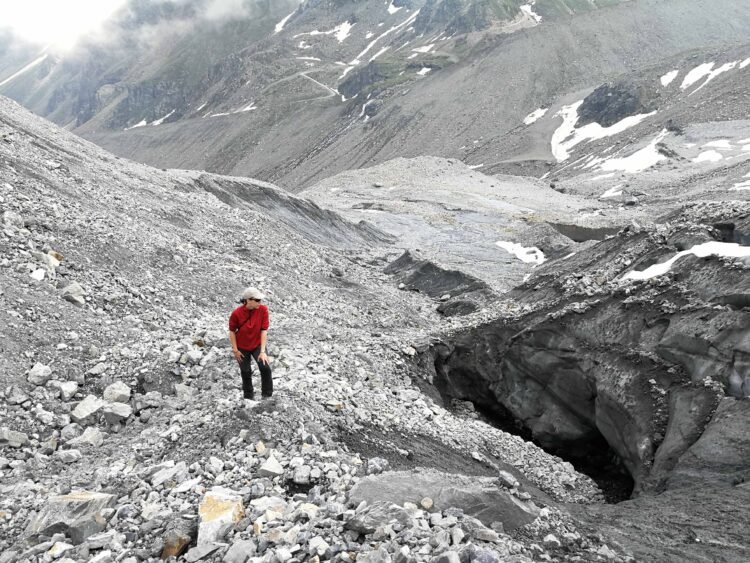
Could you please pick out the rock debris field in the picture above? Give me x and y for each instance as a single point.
(124, 436)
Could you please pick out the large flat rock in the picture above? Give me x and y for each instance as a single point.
(480, 497)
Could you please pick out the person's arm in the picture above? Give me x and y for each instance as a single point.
(233, 337)
(233, 341)
(262, 357)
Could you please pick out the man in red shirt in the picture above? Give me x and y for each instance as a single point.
(248, 331)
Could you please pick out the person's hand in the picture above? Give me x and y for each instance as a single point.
(238, 355)
(263, 358)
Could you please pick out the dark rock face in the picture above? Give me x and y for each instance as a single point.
(361, 79)
(462, 16)
(643, 365)
(580, 233)
(318, 224)
(423, 275)
(611, 103)
(722, 453)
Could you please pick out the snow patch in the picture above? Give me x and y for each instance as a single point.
(424, 49)
(393, 9)
(280, 26)
(696, 74)
(720, 144)
(568, 136)
(142, 123)
(343, 31)
(528, 9)
(535, 115)
(25, 69)
(714, 73)
(161, 120)
(308, 59)
(744, 63)
(372, 43)
(667, 79)
(340, 32)
(713, 248)
(708, 156)
(376, 55)
(614, 191)
(530, 255)
(602, 177)
(424, 70)
(640, 160)
(364, 108)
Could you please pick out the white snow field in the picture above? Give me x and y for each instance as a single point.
(567, 136)
(713, 248)
(667, 79)
(640, 160)
(530, 255)
(535, 115)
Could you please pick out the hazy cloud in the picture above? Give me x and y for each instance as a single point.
(60, 25)
(55, 23)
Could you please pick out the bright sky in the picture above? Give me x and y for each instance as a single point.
(55, 22)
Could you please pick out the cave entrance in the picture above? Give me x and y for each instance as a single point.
(593, 457)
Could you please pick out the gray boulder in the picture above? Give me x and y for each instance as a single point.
(86, 409)
(74, 293)
(39, 374)
(479, 497)
(116, 412)
(117, 392)
(92, 436)
(13, 438)
(271, 468)
(78, 514)
(240, 551)
(377, 514)
(67, 389)
(178, 474)
(68, 456)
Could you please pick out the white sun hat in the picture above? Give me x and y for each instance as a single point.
(252, 293)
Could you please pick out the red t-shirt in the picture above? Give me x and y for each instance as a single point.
(250, 324)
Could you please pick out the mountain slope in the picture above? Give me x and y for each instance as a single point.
(267, 103)
(117, 274)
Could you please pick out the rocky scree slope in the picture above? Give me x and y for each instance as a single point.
(124, 437)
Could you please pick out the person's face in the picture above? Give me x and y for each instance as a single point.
(252, 303)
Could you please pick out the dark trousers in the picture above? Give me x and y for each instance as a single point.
(246, 369)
